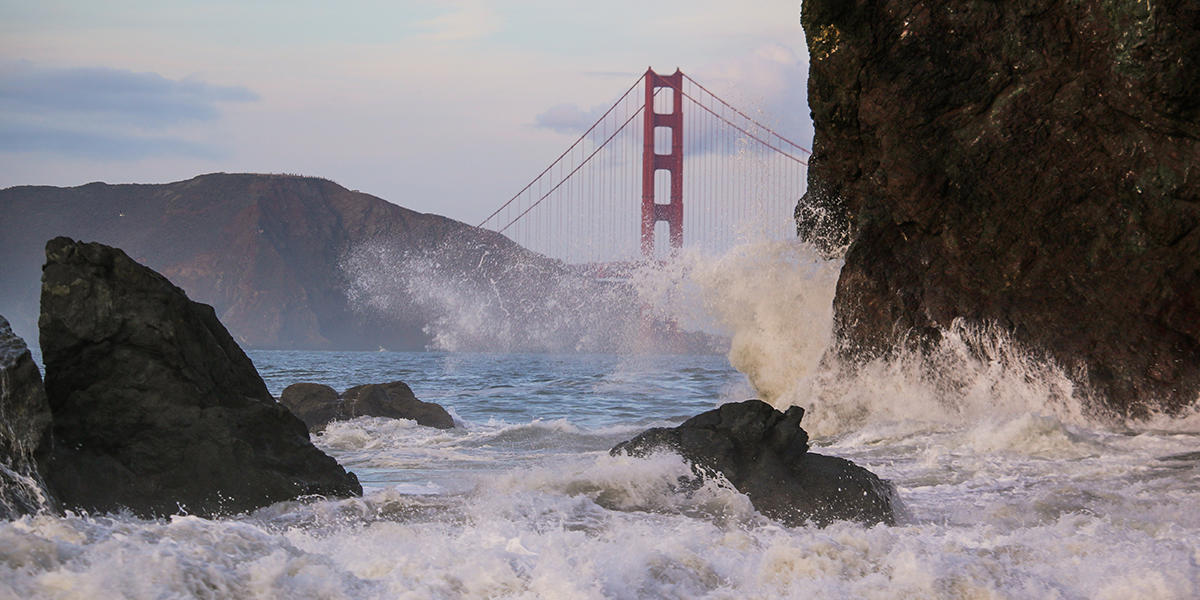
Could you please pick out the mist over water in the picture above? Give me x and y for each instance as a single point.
(1012, 485)
(772, 300)
(493, 302)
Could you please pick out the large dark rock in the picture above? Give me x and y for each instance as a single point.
(318, 404)
(24, 429)
(156, 408)
(764, 454)
(1031, 164)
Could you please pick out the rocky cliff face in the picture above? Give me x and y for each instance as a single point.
(265, 250)
(24, 429)
(1032, 164)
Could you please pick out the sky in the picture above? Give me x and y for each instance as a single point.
(447, 107)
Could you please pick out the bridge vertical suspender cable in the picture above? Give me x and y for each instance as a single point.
(582, 206)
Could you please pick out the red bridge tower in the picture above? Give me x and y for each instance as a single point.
(654, 211)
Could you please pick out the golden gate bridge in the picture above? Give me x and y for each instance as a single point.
(620, 190)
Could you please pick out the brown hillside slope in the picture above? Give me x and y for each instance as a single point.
(264, 250)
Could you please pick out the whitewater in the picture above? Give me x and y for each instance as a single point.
(1012, 483)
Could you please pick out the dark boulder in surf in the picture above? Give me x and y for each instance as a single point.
(313, 403)
(395, 400)
(1029, 165)
(764, 454)
(24, 429)
(317, 404)
(156, 408)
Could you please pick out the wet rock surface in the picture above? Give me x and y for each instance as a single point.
(1035, 165)
(764, 454)
(313, 403)
(24, 429)
(317, 405)
(156, 408)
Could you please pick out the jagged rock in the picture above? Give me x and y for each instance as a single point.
(156, 408)
(24, 429)
(1033, 165)
(318, 404)
(764, 454)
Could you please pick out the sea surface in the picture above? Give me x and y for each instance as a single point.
(1012, 487)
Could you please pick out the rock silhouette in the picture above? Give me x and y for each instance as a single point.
(156, 408)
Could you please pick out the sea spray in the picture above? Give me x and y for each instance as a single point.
(975, 372)
(773, 300)
(520, 303)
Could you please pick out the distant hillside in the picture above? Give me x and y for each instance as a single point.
(271, 254)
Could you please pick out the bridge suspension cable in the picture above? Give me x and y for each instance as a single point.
(742, 179)
(565, 152)
(745, 116)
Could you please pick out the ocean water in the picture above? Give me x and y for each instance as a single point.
(1012, 485)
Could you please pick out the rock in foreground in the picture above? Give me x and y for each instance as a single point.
(764, 454)
(1033, 165)
(317, 405)
(156, 408)
(24, 428)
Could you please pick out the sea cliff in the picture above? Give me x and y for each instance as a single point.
(1032, 166)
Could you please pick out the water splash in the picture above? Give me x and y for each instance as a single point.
(481, 300)
(773, 300)
(773, 303)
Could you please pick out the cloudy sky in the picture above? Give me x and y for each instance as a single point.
(447, 106)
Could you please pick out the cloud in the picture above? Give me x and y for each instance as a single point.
(106, 113)
(108, 145)
(141, 99)
(626, 75)
(567, 118)
(770, 85)
(472, 20)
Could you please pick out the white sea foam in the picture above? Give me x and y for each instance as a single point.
(610, 527)
(774, 300)
(1011, 487)
(512, 304)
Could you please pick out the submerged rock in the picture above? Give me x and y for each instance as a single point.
(156, 408)
(764, 454)
(24, 429)
(1032, 165)
(318, 404)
